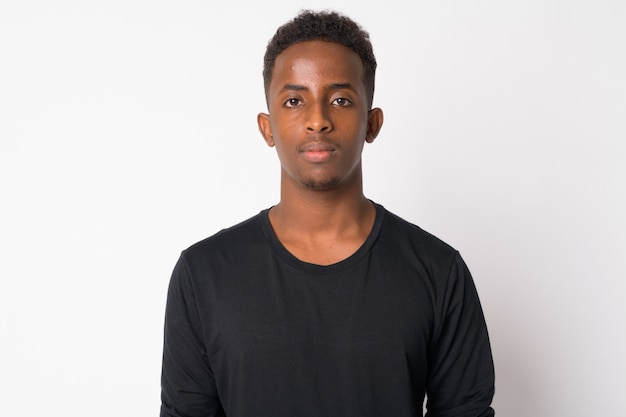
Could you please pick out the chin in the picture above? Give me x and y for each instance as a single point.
(320, 184)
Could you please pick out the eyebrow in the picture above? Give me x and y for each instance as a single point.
(334, 86)
(341, 86)
(294, 87)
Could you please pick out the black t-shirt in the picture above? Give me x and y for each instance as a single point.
(250, 330)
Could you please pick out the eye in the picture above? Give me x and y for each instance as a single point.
(342, 102)
(293, 102)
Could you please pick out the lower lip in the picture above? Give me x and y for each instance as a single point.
(317, 156)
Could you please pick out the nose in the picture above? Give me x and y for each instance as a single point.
(318, 120)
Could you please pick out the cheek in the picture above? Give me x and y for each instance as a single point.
(283, 153)
(285, 127)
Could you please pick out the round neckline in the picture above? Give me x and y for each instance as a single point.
(308, 267)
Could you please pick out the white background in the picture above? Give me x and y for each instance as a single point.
(128, 132)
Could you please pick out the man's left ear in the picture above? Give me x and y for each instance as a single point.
(374, 123)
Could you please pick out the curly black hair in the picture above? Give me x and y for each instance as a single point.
(327, 26)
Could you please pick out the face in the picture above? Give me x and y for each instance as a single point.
(318, 115)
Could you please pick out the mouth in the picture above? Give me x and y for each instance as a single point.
(317, 152)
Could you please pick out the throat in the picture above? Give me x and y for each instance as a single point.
(323, 238)
(324, 255)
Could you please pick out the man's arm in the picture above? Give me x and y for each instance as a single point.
(187, 383)
(461, 376)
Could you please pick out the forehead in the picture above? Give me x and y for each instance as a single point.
(318, 60)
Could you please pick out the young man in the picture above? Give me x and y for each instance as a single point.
(325, 304)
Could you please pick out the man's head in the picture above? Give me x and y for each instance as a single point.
(324, 26)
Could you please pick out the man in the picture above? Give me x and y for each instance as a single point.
(325, 304)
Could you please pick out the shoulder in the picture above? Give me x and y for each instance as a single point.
(401, 232)
(229, 243)
(404, 243)
(435, 262)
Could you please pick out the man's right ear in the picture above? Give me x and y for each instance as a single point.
(263, 120)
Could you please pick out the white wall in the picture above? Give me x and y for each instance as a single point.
(128, 132)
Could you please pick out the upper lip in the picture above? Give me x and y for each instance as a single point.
(317, 147)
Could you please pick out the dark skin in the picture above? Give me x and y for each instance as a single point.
(319, 122)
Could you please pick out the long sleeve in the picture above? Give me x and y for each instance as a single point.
(187, 384)
(461, 377)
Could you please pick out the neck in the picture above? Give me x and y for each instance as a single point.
(322, 226)
(322, 212)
